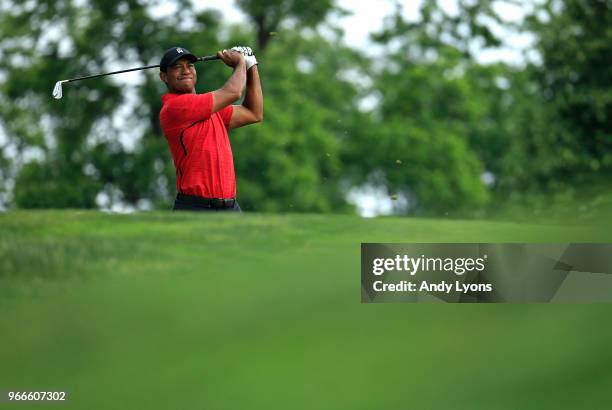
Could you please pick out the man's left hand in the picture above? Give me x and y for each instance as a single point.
(249, 56)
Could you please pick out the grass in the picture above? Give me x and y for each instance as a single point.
(169, 311)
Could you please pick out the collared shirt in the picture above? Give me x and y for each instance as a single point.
(199, 145)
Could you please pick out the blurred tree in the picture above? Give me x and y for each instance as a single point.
(543, 129)
(74, 143)
(556, 127)
(291, 162)
(267, 15)
(571, 145)
(426, 121)
(5, 179)
(433, 110)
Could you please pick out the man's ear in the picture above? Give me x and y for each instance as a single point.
(163, 76)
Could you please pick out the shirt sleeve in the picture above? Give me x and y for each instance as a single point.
(187, 109)
(226, 114)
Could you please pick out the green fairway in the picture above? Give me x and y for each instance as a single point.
(182, 311)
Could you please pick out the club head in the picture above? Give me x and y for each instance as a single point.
(57, 90)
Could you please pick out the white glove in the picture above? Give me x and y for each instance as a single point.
(249, 56)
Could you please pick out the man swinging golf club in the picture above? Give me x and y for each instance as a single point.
(195, 126)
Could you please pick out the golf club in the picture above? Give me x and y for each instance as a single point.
(57, 90)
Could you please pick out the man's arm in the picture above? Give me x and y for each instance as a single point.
(251, 110)
(234, 86)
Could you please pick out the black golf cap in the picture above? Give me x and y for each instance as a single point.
(172, 55)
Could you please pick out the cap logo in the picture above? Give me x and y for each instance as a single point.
(179, 50)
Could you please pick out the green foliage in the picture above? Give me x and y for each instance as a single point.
(291, 162)
(543, 130)
(424, 130)
(78, 132)
(442, 120)
(268, 15)
(556, 119)
(48, 185)
(575, 82)
(433, 167)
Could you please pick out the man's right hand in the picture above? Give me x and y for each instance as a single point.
(231, 58)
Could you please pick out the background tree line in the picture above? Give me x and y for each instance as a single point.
(445, 134)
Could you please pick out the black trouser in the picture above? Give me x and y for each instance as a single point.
(195, 203)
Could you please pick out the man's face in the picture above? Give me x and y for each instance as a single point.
(181, 77)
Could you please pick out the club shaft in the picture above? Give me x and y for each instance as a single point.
(205, 58)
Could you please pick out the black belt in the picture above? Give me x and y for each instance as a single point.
(207, 202)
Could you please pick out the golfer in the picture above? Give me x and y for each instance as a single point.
(196, 125)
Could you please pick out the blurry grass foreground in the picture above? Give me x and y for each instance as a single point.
(160, 311)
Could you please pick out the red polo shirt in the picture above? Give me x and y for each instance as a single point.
(199, 144)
